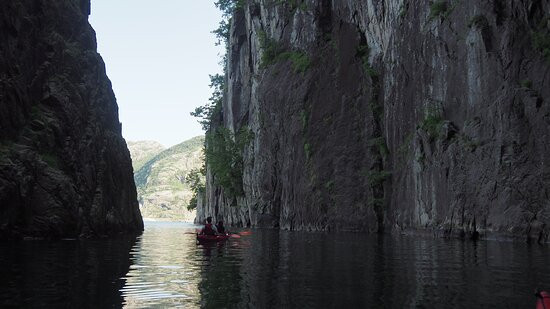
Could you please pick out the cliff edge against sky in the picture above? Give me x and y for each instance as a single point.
(65, 169)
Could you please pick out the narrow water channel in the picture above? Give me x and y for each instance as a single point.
(165, 267)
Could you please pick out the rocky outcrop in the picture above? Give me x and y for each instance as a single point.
(391, 115)
(65, 169)
(163, 192)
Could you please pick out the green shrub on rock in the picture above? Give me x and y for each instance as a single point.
(376, 178)
(273, 52)
(541, 42)
(432, 123)
(441, 8)
(224, 157)
(196, 180)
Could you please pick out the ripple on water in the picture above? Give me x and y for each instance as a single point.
(165, 267)
(292, 269)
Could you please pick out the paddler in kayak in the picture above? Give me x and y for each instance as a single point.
(208, 228)
(220, 227)
(543, 300)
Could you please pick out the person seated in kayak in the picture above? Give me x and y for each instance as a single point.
(208, 228)
(220, 227)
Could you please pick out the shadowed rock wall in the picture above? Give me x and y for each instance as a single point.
(65, 169)
(411, 116)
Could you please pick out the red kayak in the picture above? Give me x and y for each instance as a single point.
(543, 301)
(212, 238)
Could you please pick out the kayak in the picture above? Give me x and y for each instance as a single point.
(543, 301)
(212, 238)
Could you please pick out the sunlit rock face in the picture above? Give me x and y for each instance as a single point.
(65, 169)
(409, 116)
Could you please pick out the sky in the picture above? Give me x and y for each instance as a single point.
(158, 55)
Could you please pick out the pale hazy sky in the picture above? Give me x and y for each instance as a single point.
(158, 55)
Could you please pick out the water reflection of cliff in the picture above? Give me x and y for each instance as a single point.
(271, 269)
(221, 282)
(315, 270)
(305, 270)
(71, 273)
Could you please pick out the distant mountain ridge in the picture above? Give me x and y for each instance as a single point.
(143, 151)
(160, 180)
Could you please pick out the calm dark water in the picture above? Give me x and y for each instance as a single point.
(165, 267)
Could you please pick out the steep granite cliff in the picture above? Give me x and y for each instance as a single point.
(65, 169)
(390, 115)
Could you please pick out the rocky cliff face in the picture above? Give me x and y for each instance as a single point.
(395, 115)
(65, 169)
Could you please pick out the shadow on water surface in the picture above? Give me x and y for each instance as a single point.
(67, 273)
(165, 267)
(221, 280)
(284, 269)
